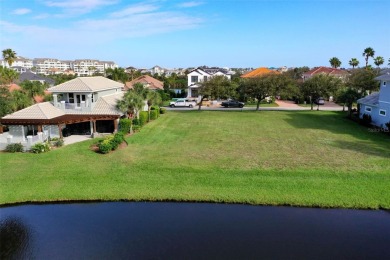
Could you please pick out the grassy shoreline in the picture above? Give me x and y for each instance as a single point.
(299, 158)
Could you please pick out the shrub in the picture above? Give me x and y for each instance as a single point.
(153, 114)
(14, 148)
(124, 125)
(58, 143)
(40, 147)
(136, 128)
(105, 146)
(366, 120)
(388, 125)
(157, 109)
(163, 110)
(111, 142)
(143, 118)
(135, 122)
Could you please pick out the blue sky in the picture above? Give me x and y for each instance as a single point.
(226, 33)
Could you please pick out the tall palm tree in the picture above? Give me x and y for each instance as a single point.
(335, 62)
(354, 62)
(379, 61)
(368, 52)
(9, 56)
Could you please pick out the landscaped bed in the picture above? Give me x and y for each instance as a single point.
(299, 158)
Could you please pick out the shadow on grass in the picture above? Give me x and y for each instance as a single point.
(370, 142)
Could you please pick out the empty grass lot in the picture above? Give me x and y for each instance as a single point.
(299, 158)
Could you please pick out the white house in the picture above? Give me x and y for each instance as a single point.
(199, 75)
(84, 105)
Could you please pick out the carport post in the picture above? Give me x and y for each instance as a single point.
(59, 131)
(116, 125)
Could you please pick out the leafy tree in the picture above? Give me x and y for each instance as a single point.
(7, 76)
(117, 74)
(9, 56)
(217, 87)
(335, 62)
(320, 85)
(297, 73)
(33, 88)
(19, 100)
(348, 96)
(354, 62)
(368, 52)
(269, 85)
(363, 81)
(379, 61)
(5, 101)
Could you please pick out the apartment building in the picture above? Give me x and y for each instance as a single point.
(19, 62)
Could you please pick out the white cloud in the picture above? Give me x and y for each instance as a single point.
(79, 6)
(21, 11)
(190, 4)
(135, 9)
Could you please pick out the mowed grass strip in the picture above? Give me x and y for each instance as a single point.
(298, 158)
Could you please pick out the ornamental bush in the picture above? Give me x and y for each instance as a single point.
(154, 114)
(111, 142)
(143, 118)
(40, 147)
(163, 110)
(14, 148)
(124, 125)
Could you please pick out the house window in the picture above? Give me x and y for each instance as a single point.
(382, 112)
(71, 97)
(204, 78)
(368, 109)
(194, 78)
(92, 97)
(384, 83)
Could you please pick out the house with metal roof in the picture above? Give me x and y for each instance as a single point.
(84, 105)
(377, 105)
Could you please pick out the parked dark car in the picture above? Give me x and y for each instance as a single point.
(319, 101)
(232, 103)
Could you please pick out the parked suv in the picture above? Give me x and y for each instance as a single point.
(232, 103)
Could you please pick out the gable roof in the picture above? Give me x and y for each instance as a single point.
(43, 110)
(148, 81)
(371, 100)
(86, 84)
(259, 72)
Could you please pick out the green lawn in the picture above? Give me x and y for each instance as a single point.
(300, 158)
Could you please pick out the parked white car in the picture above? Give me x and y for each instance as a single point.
(183, 102)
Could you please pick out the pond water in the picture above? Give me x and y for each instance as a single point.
(140, 230)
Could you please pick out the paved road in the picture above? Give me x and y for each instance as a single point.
(283, 106)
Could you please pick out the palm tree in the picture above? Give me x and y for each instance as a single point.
(354, 62)
(131, 103)
(335, 62)
(379, 61)
(9, 56)
(7, 76)
(368, 52)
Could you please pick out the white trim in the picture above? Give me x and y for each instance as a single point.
(382, 110)
(384, 102)
(366, 109)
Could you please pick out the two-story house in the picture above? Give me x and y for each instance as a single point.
(199, 75)
(377, 105)
(84, 105)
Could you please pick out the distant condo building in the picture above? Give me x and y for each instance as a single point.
(49, 66)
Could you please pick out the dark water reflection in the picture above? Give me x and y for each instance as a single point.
(127, 230)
